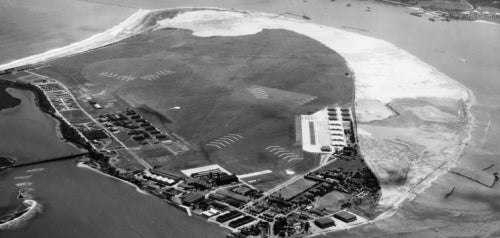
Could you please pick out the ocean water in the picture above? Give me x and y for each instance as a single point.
(29, 27)
(465, 51)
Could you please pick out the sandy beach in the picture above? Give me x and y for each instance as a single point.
(139, 190)
(32, 209)
(383, 74)
(131, 26)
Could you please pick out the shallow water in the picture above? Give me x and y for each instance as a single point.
(28, 134)
(465, 51)
(78, 202)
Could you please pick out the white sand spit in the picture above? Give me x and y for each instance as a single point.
(131, 26)
(383, 71)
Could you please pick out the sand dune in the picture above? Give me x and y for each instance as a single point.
(383, 73)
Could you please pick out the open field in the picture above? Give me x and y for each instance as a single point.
(296, 188)
(237, 95)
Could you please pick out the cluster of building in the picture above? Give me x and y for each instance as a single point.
(342, 181)
(326, 131)
(92, 131)
(60, 98)
(340, 123)
(456, 14)
(216, 194)
(161, 177)
(326, 222)
(134, 125)
(209, 192)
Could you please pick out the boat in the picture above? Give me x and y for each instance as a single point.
(306, 17)
(348, 5)
(432, 19)
(449, 193)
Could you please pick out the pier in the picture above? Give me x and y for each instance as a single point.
(17, 165)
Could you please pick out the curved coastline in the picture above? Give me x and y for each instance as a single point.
(383, 72)
(28, 214)
(371, 83)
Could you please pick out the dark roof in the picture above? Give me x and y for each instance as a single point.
(324, 222)
(345, 216)
(226, 179)
(193, 197)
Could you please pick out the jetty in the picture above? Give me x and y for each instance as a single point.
(17, 165)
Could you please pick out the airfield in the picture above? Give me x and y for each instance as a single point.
(229, 99)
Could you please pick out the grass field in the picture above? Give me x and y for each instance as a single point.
(251, 86)
(76, 116)
(295, 188)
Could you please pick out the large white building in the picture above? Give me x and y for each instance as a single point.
(325, 130)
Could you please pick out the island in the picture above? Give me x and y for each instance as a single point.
(268, 126)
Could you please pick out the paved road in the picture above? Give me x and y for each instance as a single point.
(140, 160)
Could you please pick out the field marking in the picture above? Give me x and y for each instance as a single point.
(272, 146)
(218, 143)
(165, 72)
(241, 137)
(255, 174)
(127, 78)
(280, 152)
(222, 141)
(296, 158)
(210, 144)
(277, 150)
(229, 139)
(225, 140)
(286, 154)
(232, 137)
(258, 92)
(306, 100)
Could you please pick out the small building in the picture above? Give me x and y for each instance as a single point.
(97, 106)
(139, 138)
(155, 132)
(324, 222)
(130, 112)
(243, 190)
(345, 216)
(193, 198)
(326, 148)
(149, 128)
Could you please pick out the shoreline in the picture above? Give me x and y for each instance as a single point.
(373, 75)
(465, 137)
(117, 33)
(299, 27)
(29, 213)
(85, 166)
